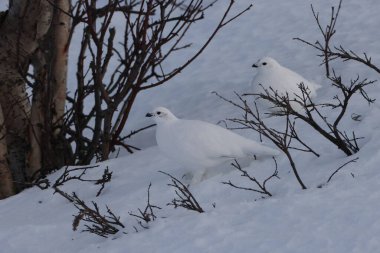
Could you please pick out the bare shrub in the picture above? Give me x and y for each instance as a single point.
(330, 52)
(113, 66)
(311, 113)
(67, 176)
(286, 139)
(96, 223)
(260, 186)
(147, 215)
(184, 197)
(154, 31)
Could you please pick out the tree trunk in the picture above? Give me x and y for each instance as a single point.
(6, 185)
(61, 32)
(24, 25)
(15, 105)
(50, 65)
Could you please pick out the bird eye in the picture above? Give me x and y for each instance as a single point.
(264, 63)
(158, 113)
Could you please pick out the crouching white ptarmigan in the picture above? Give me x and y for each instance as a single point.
(198, 145)
(270, 74)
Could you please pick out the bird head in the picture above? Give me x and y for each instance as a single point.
(266, 63)
(161, 114)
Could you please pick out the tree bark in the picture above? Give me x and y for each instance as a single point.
(26, 22)
(50, 65)
(61, 35)
(6, 184)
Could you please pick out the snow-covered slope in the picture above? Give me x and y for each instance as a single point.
(340, 217)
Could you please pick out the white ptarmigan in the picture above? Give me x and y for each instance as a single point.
(270, 74)
(198, 145)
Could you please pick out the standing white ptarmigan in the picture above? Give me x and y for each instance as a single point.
(270, 74)
(198, 145)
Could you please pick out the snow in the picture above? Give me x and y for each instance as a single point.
(340, 217)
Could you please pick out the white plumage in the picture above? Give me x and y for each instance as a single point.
(270, 74)
(198, 145)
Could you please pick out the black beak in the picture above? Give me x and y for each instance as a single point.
(149, 115)
(254, 66)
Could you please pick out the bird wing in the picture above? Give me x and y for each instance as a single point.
(294, 79)
(216, 141)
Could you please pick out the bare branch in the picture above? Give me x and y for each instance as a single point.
(66, 176)
(341, 167)
(184, 198)
(251, 119)
(102, 225)
(154, 30)
(261, 186)
(328, 52)
(147, 215)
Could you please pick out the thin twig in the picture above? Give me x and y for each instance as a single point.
(337, 170)
(184, 198)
